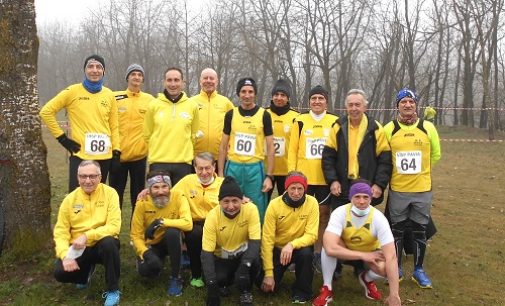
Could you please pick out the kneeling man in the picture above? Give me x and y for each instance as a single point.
(360, 235)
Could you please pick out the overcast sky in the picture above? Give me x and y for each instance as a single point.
(63, 10)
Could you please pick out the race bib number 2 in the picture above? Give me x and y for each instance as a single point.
(280, 146)
(408, 162)
(245, 144)
(96, 144)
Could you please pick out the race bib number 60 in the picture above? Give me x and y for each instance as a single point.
(96, 144)
(408, 162)
(245, 144)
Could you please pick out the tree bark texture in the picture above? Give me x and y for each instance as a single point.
(25, 192)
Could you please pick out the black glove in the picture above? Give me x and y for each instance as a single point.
(213, 298)
(149, 233)
(69, 144)
(115, 162)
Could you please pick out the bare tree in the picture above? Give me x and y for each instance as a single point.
(25, 189)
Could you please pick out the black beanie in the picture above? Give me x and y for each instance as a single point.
(319, 90)
(246, 82)
(229, 188)
(95, 57)
(282, 86)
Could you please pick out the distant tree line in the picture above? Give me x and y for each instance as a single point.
(452, 52)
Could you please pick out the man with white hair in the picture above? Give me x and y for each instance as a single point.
(156, 229)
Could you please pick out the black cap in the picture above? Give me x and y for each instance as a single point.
(95, 57)
(229, 188)
(282, 86)
(246, 82)
(319, 90)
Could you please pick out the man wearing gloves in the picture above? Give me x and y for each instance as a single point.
(92, 115)
(132, 106)
(156, 229)
(289, 234)
(87, 231)
(230, 247)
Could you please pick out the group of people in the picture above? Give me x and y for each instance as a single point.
(212, 167)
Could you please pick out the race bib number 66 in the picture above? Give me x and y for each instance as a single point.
(408, 162)
(96, 143)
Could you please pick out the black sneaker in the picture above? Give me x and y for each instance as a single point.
(246, 298)
(299, 299)
(224, 291)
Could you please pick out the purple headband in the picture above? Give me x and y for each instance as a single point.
(159, 179)
(360, 188)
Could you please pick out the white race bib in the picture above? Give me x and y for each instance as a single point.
(409, 162)
(96, 144)
(314, 148)
(245, 144)
(279, 146)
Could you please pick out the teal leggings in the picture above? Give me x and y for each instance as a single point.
(250, 177)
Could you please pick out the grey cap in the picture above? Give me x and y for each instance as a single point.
(133, 67)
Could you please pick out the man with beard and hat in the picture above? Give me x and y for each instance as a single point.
(156, 229)
(93, 120)
(359, 235)
(415, 147)
(282, 118)
(289, 234)
(230, 245)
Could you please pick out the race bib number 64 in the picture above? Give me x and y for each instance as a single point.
(408, 162)
(96, 143)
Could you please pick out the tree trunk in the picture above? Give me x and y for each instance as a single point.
(25, 192)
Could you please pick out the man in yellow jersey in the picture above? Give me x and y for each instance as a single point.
(87, 233)
(289, 234)
(201, 190)
(170, 126)
(415, 147)
(359, 235)
(309, 134)
(430, 113)
(156, 229)
(92, 115)
(247, 138)
(213, 107)
(282, 118)
(132, 107)
(230, 247)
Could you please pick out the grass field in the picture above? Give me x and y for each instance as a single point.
(465, 260)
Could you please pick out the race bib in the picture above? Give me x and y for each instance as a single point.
(314, 148)
(245, 144)
(279, 146)
(96, 144)
(408, 162)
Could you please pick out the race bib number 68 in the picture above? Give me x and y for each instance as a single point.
(96, 144)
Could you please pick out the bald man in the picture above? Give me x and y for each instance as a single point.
(213, 107)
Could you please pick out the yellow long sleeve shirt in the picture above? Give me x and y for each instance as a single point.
(92, 117)
(284, 224)
(222, 234)
(282, 133)
(97, 215)
(201, 199)
(175, 214)
(170, 128)
(132, 108)
(212, 110)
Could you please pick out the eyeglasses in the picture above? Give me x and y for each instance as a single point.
(91, 176)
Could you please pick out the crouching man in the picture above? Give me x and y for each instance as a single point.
(87, 231)
(230, 246)
(359, 235)
(156, 229)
